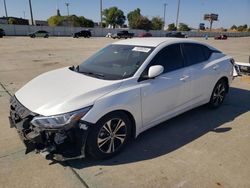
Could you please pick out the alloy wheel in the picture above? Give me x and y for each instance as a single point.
(112, 135)
(219, 94)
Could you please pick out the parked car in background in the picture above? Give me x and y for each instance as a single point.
(83, 33)
(122, 34)
(221, 37)
(145, 34)
(109, 35)
(176, 35)
(39, 33)
(2, 33)
(116, 94)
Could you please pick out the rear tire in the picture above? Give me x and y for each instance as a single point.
(218, 94)
(109, 135)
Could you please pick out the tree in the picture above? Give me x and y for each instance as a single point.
(157, 23)
(84, 22)
(234, 27)
(12, 21)
(72, 20)
(172, 27)
(242, 28)
(114, 16)
(144, 23)
(184, 27)
(54, 20)
(104, 25)
(133, 18)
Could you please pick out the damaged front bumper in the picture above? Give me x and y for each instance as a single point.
(56, 144)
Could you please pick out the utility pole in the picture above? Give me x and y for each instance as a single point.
(101, 13)
(5, 7)
(177, 16)
(164, 17)
(31, 14)
(67, 5)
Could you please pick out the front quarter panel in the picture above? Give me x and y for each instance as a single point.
(127, 98)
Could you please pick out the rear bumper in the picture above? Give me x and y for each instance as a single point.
(243, 67)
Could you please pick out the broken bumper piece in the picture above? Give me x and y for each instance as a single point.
(62, 144)
(59, 145)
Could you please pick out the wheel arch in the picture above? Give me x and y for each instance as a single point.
(131, 118)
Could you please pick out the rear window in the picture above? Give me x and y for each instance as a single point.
(195, 53)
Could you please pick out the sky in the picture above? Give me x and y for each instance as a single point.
(191, 11)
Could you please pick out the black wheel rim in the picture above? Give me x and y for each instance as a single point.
(112, 136)
(219, 94)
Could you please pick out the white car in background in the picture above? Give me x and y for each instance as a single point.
(119, 92)
(109, 35)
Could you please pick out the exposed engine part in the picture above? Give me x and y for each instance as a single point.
(83, 126)
(46, 153)
(53, 144)
(59, 138)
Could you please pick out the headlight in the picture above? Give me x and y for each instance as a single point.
(59, 121)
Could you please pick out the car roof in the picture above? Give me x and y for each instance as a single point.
(156, 41)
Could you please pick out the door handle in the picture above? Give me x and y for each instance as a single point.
(184, 78)
(215, 67)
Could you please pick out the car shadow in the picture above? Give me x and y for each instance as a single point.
(177, 132)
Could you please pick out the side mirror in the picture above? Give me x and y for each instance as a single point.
(155, 71)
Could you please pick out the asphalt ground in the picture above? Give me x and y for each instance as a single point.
(200, 148)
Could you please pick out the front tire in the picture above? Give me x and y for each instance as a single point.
(219, 94)
(109, 136)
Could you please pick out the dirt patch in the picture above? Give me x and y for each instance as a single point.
(37, 60)
(50, 64)
(245, 79)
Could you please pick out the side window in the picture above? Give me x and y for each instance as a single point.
(195, 53)
(170, 58)
(207, 52)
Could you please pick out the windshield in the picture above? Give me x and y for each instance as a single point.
(115, 62)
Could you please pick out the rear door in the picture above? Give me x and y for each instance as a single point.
(162, 96)
(202, 75)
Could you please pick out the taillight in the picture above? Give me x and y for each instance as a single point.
(236, 68)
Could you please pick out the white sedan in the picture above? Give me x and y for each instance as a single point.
(116, 94)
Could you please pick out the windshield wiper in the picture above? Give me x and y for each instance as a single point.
(93, 74)
(73, 68)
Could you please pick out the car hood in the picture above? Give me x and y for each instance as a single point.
(61, 91)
